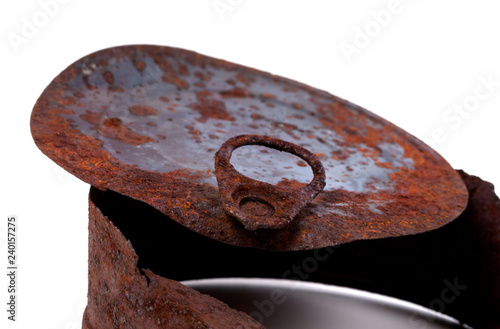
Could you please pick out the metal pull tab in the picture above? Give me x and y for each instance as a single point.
(259, 204)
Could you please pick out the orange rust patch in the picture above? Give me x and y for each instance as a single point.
(268, 96)
(115, 129)
(290, 183)
(236, 93)
(140, 65)
(142, 110)
(183, 70)
(210, 108)
(68, 101)
(92, 117)
(301, 163)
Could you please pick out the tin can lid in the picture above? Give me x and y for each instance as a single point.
(147, 121)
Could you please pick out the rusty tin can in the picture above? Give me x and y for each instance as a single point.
(203, 168)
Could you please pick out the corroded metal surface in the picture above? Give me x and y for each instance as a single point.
(454, 269)
(146, 121)
(120, 296)
(259, 204)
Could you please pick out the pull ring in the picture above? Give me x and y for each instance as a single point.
(259, 204)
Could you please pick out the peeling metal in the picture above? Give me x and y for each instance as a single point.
(123, 296)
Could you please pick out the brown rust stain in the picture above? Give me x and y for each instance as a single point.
(236, 93)
(290, 183)
(210, 107)
(142, 110)
(115, 129)
(92, 117)
(108, 77)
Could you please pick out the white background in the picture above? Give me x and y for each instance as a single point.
(427, 58)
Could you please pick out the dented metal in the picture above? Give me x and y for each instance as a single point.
(146, 121)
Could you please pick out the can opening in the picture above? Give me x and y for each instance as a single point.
(414, 268)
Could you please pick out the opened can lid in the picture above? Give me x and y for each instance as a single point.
(146, 121)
